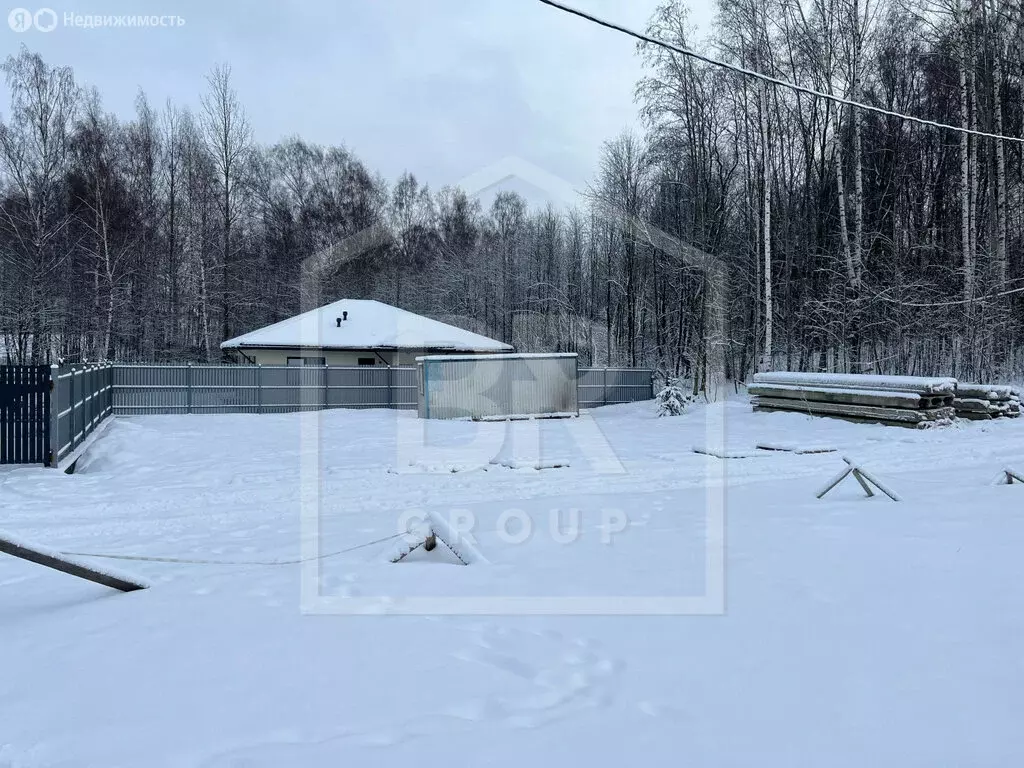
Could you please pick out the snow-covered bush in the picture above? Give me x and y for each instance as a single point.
(672, 399)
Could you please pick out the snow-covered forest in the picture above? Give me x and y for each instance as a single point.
(840, 239)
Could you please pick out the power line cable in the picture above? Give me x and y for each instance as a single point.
(768, 78)
(951, 303)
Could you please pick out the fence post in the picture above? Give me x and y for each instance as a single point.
(604, 387)
(188, 388)
(89, 385)
(74, 408)
(259, 387)
(326, 369)
(54, 425)
(391, 387)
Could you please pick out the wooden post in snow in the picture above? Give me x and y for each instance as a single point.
(1010, 475)
(861, 475)
(68, 565)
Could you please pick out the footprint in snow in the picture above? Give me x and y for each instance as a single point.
(580, 679)
(476, 711)
(501, 661)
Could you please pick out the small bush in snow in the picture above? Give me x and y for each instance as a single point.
(672, 399)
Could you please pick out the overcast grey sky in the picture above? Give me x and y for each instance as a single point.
(440, 87)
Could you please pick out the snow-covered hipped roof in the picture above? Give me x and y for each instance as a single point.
(370, 325)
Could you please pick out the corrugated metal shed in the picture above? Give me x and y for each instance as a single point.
(496, 386)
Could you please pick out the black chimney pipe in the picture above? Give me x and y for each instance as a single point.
(344, 315)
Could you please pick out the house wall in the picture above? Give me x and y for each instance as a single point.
(335, 357)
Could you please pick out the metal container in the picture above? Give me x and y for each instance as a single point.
(496, 386)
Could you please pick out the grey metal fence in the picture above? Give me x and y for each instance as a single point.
(166, 389)
(609, 386)
(81, 399)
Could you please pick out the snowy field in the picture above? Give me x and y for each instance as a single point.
(855, 631)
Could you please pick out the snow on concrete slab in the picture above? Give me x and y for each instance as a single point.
(854, 629)
(794, 447)
(910, 398)
(727, 452)
(857, 381)
(986, 391)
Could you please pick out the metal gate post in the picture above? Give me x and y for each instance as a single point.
(88, 386)
(53, 438)
(74, 408)
(259, 388)
(188, 389)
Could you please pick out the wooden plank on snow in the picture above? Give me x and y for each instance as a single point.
(68, 565)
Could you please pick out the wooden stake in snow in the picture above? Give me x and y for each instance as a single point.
(69, 565)
(1010, 476)
(861, 475)
(434, 529)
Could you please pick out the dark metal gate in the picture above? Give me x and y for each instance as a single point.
(24, 414)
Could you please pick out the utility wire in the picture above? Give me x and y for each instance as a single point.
(951, 303)
(768, 78)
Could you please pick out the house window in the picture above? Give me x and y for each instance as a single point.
(306, 361)
(367, 361)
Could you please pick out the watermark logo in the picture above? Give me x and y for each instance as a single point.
(22, 20)
(514, 526)
(424, 445)
(46, 20)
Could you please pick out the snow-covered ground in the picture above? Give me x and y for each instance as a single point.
(855, 631)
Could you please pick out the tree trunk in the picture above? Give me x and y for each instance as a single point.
(766, 217)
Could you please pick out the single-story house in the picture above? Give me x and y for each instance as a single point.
(356, 332)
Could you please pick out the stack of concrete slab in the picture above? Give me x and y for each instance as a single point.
(910, 401)
(986, 401)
